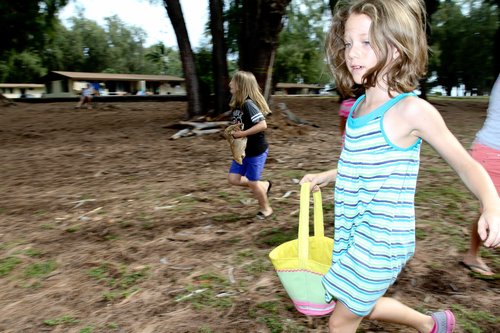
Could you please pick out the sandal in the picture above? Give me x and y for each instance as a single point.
(269, 187)
(478, 269)
(261, 216)
(444, 322)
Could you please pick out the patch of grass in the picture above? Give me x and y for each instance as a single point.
(227, 218)
(210, 290)
(38, 270)
(185, 203)
(449, 194)
(224, 195)
(121, 281)
(245, 255)
(85, 197)
(205, 329)
(327, 207)
(7, 265)
(257, 267)
(277, 236)
(33, 253)
(269, 306)
(73, 229)
(211, 279)
(293, 174)
(147, 222)
(475, 321)
(269, 314)
(40, 213)
(276, 324)
(100, 273)
(108, 327)
(125, 224)
(64, 320)
(234, 240)
(112, 326)
(111, 237)
(273, 323)
(420, 234)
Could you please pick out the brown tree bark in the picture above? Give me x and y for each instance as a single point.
(219, 57)
(262, 21)
(174, 11)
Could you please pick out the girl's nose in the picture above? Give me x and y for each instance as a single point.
(352, 52)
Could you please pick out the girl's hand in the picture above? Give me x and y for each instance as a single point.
(489, 227)
(238, 134)
(318, 180)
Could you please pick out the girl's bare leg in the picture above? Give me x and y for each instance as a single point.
(343, 320)
(390, 310)
(259, 189)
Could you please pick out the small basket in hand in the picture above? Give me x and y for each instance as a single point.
(301, 263)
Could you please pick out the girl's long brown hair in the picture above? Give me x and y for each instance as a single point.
(398, 24)
(247, 87)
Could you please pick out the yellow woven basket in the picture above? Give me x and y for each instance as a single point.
(301, 263)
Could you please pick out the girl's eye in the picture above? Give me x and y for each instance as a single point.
(347, 45)
(366, 42)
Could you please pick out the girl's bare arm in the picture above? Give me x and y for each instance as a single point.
(428, 124)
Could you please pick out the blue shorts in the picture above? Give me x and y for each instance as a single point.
(251, 167)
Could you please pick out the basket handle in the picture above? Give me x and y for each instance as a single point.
(319, 230)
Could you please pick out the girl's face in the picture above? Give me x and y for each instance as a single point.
(359, 54)
(232, 87)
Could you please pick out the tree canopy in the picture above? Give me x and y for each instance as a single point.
(35, 41)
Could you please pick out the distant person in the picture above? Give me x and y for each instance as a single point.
(97, 88)
(382, 45)
(86, 97)
(249, 108)
(486, 150)
(346, 104)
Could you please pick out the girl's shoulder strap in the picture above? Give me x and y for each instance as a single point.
(402, 95)
(390, 103)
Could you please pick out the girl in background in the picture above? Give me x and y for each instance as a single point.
(250, 108)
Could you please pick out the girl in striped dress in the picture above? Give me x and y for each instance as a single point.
(381, 44)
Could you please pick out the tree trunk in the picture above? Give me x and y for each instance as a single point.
(332, 4)
(259, 36)
(174, 11)
(219, 56)
(431, 6)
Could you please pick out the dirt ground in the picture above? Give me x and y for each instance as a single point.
(106, 225)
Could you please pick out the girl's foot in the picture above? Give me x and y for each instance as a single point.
(264, 215)
(444, 322)
(477, 265)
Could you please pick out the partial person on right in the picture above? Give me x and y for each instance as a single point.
(486, 150)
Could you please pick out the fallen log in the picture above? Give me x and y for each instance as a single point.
(199, 128)
(293, 117)
(205, 125)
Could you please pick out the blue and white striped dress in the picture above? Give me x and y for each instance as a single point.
(374, 212)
